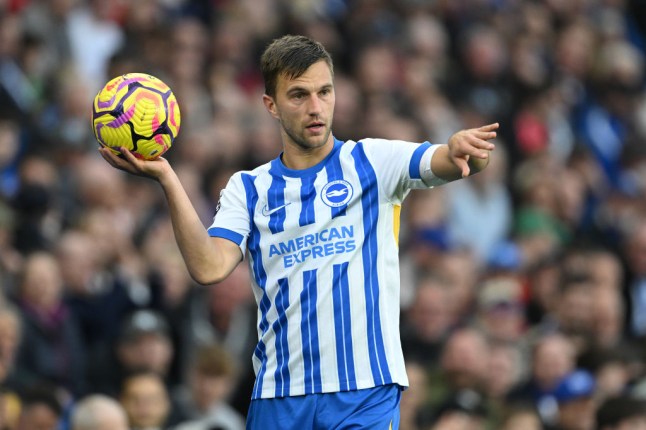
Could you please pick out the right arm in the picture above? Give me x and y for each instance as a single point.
(208, 259)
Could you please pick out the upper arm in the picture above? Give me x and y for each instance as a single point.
(229, 254)
(232, 221)
(229, 232)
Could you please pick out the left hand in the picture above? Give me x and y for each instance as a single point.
(473, 142)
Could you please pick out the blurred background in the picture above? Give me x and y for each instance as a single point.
(523, 288)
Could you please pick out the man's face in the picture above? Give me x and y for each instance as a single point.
(145, 401)
(149, 351)
(304, 106)
(577, 414)
(553, 359)
(633, 423)
(38, 417)
(464, 359)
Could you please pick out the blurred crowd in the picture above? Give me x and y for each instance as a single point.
(523, 288)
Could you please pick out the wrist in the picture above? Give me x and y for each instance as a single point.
(166, 176)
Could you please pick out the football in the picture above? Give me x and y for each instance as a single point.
(138, 112)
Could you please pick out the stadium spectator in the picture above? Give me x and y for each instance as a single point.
(462, 368)
(552, 357)
(480, 212)
(143, 344)
(621, 412)
(223, 314)
(634, 251)
(10, 336)
(51, 349)
(575, 396)
(95, 296)
(500, 308)
(212, 380)
(10, 339)
(414, 412)
(146, 401)
(521, 417)
(40, 408)
(568, 77)
(506, 370)
(465, 409)
(98, 412)
(426, 324)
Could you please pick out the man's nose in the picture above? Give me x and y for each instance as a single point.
(314, 105)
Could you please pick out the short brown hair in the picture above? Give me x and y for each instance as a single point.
(290, 56)
(213, 360)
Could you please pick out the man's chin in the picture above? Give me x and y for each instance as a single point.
(317, 143)
(309, 140)
(314, 142)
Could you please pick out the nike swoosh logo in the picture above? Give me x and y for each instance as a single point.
(267, 212)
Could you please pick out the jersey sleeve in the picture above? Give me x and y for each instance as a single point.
(231, 220)
(402, 166)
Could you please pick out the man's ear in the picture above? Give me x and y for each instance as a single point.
(270, 105)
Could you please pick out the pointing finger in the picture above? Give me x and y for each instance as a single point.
(489, 127)
(485, 135)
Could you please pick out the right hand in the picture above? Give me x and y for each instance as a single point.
(472, 144)
(127, 162)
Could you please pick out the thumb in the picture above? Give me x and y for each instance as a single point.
(463, 166)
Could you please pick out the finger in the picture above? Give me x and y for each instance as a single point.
(115, 160)
(128, 155)
(463, 166)
(484, 135)
(108, 155)
(489, 127)
(477, 147)
(478, 142)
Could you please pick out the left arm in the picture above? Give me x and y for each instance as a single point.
(466, 152)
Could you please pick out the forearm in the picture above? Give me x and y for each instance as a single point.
(204, 260)
(208, 259)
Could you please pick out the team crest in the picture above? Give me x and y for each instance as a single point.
(336, 193)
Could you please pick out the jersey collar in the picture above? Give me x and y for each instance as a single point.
(280, 168)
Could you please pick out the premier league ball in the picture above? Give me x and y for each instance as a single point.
(138, 112)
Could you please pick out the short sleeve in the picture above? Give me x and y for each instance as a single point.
(398, 164)
(231, 220)
(426, 172)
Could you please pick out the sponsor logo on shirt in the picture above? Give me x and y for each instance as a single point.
(327, 242)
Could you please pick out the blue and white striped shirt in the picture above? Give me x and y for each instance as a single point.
(322, 247)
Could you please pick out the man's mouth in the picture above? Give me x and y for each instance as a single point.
(316, 126)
